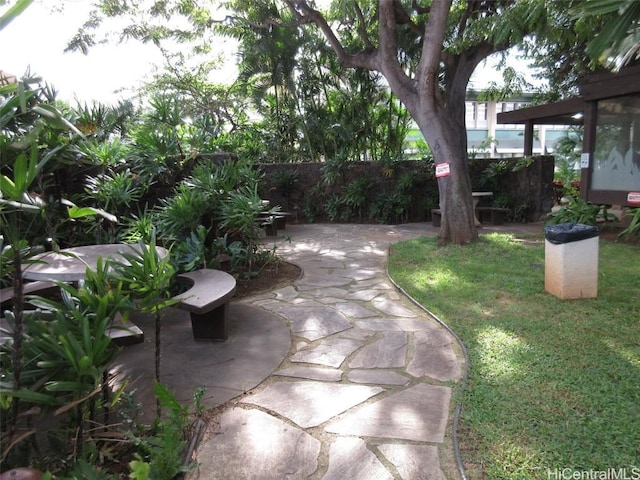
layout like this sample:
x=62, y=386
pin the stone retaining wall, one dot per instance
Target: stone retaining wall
x=526, y=190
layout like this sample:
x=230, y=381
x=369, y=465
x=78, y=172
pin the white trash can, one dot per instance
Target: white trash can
x=571, y=260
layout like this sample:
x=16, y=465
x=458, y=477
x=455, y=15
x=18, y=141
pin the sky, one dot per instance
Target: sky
x=36, y=41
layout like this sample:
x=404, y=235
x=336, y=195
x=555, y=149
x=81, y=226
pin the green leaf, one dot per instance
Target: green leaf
x=68, y=386
x=53, y=115
x=14, y=11
x=79, y=212
x=8, y=188
x=31, y=396
x=20, y=175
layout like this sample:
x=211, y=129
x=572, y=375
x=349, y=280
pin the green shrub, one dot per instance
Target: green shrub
x=579, y=210
x=633, y=229
x=390, y=207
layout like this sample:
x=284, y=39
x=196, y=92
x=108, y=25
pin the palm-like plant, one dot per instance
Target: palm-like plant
x=16, y=9
x=618, y=42
x=28, y=123
x=148, y=276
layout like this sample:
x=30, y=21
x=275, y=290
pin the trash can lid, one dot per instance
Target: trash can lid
x=569, y=232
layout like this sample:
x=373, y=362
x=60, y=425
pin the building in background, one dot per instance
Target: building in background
x=608, y=108
x=486, y=138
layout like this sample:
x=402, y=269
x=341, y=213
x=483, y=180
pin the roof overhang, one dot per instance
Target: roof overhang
x=564, y=112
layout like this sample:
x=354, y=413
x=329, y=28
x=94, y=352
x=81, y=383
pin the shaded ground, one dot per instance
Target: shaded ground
x=283, y=274
x=271, y=277
x=611, y=234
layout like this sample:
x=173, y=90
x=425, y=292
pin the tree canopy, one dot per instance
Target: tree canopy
x=425, y=52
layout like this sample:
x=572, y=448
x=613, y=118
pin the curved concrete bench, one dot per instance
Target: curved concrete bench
x=30, y=288
x=121, y=332
x=207, y=301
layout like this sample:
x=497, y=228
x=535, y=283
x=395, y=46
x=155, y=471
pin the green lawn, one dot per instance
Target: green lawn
x=553, y=384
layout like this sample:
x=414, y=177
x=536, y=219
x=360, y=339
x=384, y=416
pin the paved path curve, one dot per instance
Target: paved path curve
x=366, y=391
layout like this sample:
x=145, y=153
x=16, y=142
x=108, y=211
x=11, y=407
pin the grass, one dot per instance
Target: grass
x=553, y=384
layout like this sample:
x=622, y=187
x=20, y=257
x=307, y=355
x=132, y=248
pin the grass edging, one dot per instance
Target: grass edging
x=465, y=377
x=552, y=385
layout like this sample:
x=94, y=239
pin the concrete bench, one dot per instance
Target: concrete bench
x=125, y=333
x=274, y=222
x=29, y=288
x=498, y=214
x=121, y=333
x=436, y=217
x=207, y=301
x=270, y=224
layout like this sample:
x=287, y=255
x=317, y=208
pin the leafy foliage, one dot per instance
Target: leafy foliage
x=633, y=229
x=164, y=451
x=579, y=210
x=616, y=44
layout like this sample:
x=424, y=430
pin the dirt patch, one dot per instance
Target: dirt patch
x=610, y=234
x=269, y=278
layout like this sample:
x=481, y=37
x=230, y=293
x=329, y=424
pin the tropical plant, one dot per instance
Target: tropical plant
x=164, y=452
x=490, y=177
x=633, y=229
x=356, y=195
x=334, y=207
x=578, y=210
x=239, y=218
x=284, y=180
x=313, y=204
x=29, y=122
x=74, y=349
x=192, y=253
x=67, y=353
x=182, y=213
x=390, y=207
x=148, y=275
x=616, y=44
x=138, y=227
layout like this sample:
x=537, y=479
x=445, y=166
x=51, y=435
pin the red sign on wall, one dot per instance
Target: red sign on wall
x=633, y=198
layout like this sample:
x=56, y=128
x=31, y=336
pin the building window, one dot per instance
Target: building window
x=616, y=163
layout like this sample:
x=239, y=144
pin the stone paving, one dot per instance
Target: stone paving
x=366, y=391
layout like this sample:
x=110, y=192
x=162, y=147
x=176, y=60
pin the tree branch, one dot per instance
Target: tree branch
x=387, y=59
x=429, y=65
x=403, y=18
x=362, y=28
x=305, y=14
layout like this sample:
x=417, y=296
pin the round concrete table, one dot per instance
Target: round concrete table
x=70, y=264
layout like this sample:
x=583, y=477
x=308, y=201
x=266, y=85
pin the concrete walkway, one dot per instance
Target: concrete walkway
x=336, y=377
x=366, y=390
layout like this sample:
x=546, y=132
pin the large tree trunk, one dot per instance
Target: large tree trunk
x=439, y=112
x=454, y=184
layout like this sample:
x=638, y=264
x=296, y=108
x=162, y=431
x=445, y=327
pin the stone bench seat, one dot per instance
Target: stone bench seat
x=207, y=301
x=121, y=333
x=498, y=215
x=43, y=288
x=274, y=222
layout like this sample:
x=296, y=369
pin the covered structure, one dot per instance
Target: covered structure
x=609, y=109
